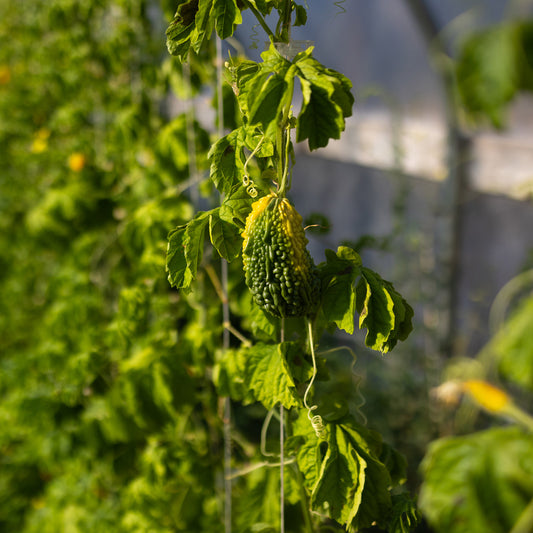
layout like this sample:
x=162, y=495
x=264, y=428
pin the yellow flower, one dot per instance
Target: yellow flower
x=487, y=396
x=5, y=75
x=40, y=141
x=76, y=161
x=38, y=146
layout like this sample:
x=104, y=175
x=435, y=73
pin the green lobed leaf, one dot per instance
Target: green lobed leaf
x=264, y=6
x=185, y=251
x=268, y=374
x=274, y=62
x=243, y=78
x=341, y=478
x=294, y=362
x=385, y=314
x=353, y=484
x=227, y=16
x=225, y=236
x=236, y=206
x=227, y=166
x=301, y=16
x=338, y=276
x=267, y=102
x=327, y=101
x=176, y=264
x=478, y=482
x=179, y=31
x=203, y=24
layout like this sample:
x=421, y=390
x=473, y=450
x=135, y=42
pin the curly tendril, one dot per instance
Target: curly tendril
x=316, y=420
x=339, y=5
x=247, y=182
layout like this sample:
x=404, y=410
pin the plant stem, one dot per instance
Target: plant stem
x=283, y=141
x=286, y=23
x=261, y=20
x=519, y=416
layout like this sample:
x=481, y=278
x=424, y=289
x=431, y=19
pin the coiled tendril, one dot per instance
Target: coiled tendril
x=316, y=420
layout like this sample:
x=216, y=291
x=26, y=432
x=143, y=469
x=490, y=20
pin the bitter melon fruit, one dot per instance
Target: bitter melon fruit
x=279, y=270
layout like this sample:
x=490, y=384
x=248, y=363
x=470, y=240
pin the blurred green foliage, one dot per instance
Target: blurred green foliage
x=494, y=65
x=99, y=422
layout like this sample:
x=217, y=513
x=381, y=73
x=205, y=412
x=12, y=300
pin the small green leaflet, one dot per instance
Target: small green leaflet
x=301, y=16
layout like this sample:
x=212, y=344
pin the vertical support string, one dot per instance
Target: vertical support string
x=281, y=450
x=225, y=316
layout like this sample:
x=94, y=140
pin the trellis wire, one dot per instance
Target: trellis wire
x=225, y=317
x=281, y=451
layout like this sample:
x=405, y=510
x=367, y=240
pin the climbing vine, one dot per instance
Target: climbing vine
x=336, y=467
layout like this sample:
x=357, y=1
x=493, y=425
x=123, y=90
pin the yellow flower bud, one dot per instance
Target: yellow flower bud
x=76, y=161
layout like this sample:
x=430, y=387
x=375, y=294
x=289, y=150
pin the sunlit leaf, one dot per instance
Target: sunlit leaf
x=268, y=375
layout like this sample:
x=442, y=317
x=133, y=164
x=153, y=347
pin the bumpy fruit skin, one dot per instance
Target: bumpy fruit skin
x=279, y=269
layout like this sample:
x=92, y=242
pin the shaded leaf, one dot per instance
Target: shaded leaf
x=227, y=166
x=267, y=102
x=179, y=31
x=185, y=250
x=479, y=482
x=338, y=276
x=327, y=101
x=385, y=314
x=225, y=236
x=227, y=16
x=236, y=206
